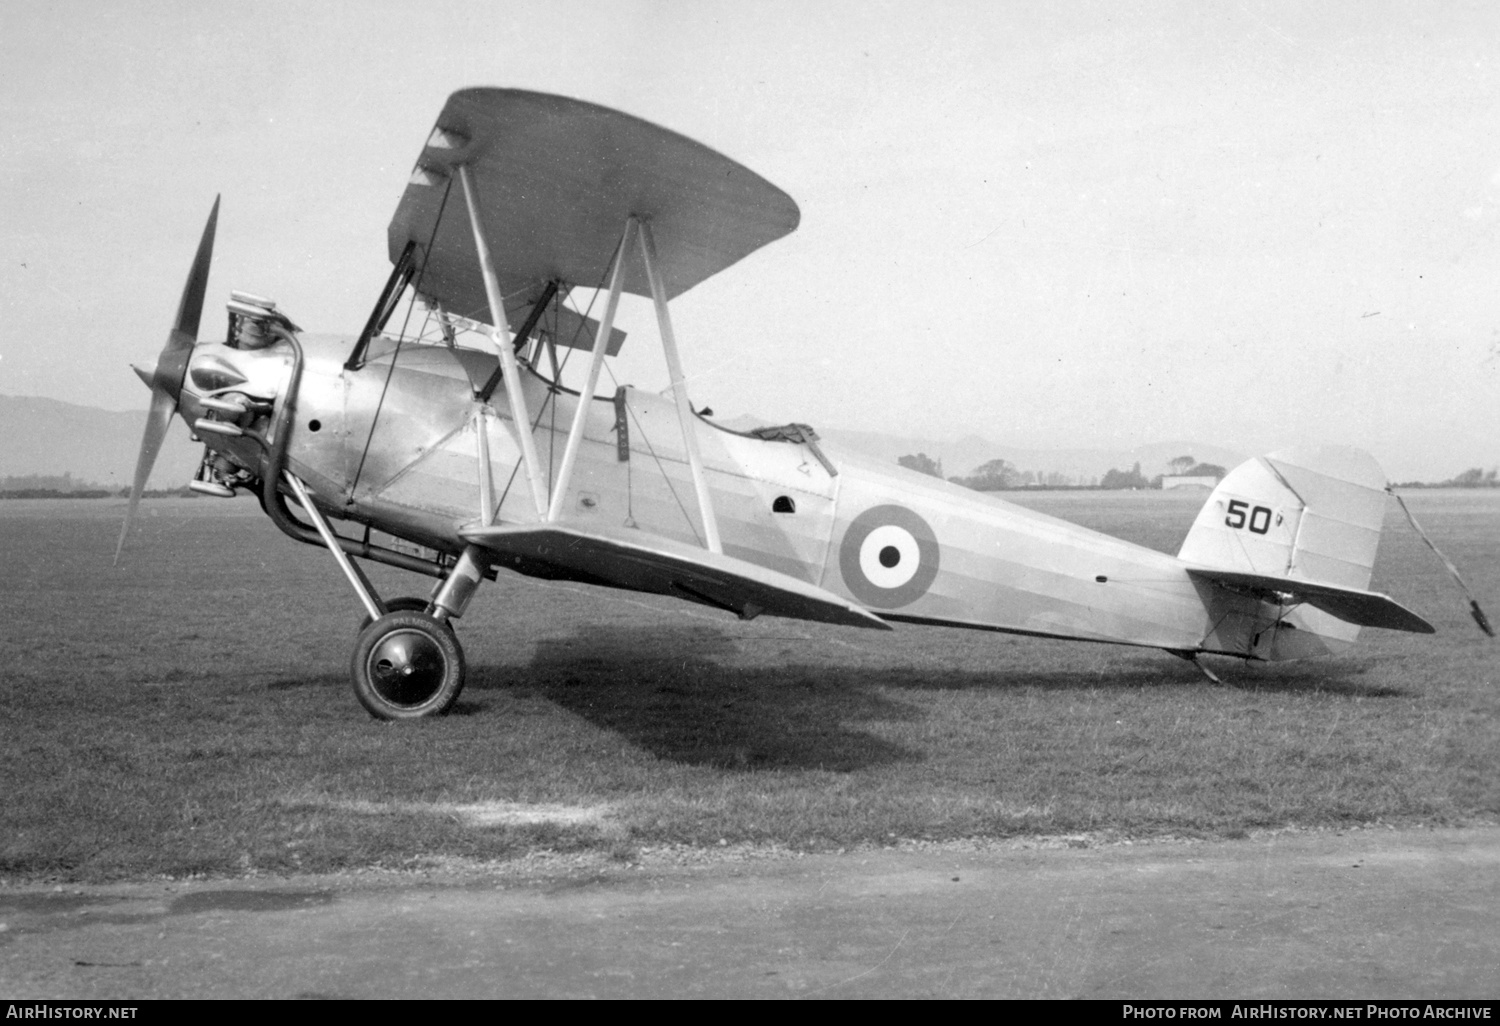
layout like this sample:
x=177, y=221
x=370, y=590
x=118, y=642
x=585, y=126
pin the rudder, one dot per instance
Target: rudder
x=1313, y=513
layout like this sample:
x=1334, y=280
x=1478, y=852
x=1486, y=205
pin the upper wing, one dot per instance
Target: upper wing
x=1366, y=608
x=645, y=562
x=556, y=179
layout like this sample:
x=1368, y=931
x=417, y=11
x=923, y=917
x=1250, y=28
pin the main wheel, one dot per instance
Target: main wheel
x=407, y=665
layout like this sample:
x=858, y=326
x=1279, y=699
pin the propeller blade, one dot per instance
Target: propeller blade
x=157, y=422
x=171, y=369
x=190, y=310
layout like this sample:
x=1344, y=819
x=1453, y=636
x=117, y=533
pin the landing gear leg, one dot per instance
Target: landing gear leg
x=407, y=662
x=453, y=595
x=356, y=577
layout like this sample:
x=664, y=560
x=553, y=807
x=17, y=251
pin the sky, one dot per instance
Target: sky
x=1051, y=224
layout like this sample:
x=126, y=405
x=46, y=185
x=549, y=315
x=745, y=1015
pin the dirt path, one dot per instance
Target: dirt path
x=1365, y=914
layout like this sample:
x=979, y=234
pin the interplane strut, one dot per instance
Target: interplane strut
x=679, y=388
x=500, y=336
x=596, y=363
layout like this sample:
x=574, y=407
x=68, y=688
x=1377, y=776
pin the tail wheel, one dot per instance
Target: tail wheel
x=407, y=665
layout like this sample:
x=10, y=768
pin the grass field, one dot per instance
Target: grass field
x=189, y=712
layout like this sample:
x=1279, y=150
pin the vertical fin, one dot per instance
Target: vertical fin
x=1313, y=513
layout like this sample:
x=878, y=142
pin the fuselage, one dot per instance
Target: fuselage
x=395, y=444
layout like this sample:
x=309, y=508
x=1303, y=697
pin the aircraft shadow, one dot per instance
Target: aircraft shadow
x=1162, y=671
x=340, y=682
x=1237, y=676
x=1337, y=677
x=689, y=695
x=684, y=694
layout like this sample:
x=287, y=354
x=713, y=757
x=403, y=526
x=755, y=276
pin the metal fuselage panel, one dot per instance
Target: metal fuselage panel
x=398, y=447
x=1005, y=567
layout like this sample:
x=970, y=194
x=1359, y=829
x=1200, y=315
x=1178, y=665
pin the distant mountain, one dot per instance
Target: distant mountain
x=961, y=457
x=45, y=436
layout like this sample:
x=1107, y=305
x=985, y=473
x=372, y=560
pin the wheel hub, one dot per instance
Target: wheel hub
x=407, y=667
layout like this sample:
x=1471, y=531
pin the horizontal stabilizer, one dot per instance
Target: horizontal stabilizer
x=635, y=560
x=1365, y=608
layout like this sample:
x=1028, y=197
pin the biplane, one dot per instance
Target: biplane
x=453, y=449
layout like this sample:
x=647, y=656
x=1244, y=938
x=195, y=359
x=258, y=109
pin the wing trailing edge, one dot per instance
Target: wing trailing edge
x=634, y=560
x=1365, y=608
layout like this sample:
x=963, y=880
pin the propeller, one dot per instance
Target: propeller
x=165, y=381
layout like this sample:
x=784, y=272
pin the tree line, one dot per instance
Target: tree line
x=66, y=486
x=1474, y=477
x=1001, y=475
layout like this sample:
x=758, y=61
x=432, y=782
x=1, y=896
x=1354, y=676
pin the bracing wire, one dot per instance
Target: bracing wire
x=385, y=387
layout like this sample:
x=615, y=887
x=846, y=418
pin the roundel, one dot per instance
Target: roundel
x=889, y=557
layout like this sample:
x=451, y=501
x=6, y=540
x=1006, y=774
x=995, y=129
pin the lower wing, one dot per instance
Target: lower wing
x=638, y=561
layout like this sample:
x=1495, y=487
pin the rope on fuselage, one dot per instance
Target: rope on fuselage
x=630, y=480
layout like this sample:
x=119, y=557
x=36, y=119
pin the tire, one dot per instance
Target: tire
x=407, y=665
x=397, y=605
